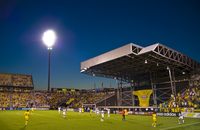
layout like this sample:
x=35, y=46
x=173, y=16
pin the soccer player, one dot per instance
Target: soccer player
x=123, y=115
x=181, y=119
x=97, y=111
x=80, y=110
x=102, y=115
x=154, y=117
x=64, y=112
x=108, y=110
x=32, y=109
x=90, y=111
x=59, y=108
x=26, y=117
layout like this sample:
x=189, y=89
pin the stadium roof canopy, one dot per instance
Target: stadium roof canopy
x=133, y=62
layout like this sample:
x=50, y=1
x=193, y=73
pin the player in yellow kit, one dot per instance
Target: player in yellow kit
x=26, y=117
x=154, y=117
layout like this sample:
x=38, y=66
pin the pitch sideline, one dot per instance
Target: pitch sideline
x=168, y=128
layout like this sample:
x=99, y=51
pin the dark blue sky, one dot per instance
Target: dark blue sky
x=86, y=29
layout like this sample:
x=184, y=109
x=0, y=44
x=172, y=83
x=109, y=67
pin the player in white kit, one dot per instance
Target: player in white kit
x=59, y=108
x=108, y=110
x=97, y=111
x=64, y=112
x=181, y=118
x=102, y=115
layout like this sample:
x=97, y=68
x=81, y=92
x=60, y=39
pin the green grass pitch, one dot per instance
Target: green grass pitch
x=51, y=120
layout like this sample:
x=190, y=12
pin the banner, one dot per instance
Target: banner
x=191, y=114
x=143, y=113
x=143, y=96
x=172, y=114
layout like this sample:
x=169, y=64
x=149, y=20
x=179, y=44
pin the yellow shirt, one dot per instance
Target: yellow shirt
x=26, y=114
x=154, y=116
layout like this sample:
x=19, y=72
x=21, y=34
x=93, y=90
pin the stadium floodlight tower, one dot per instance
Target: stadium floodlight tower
x=49, y=39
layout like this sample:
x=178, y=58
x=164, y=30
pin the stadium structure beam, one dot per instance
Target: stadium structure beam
x=171, y=81
x=153, y=89
x=176, y=56
x=133, y=97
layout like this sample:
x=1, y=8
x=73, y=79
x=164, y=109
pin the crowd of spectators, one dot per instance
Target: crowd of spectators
x=187, y=100
x=15, y=99
x=4, y=99
x=190, y=99
x=79, y=98
x=73, y=99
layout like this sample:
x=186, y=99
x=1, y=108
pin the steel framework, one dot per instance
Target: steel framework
x=161, y=68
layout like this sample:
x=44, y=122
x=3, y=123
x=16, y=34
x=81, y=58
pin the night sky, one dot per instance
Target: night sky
x=86, y=29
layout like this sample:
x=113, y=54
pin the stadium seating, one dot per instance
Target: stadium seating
x=184, y=101
x=45, y=99
x=190, y=98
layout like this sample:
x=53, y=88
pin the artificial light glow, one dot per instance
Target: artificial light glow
x=168, y=68
x=49, y=38
x=82, y=70
x=145, y=61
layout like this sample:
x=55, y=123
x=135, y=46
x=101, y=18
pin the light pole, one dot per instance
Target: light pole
x=49, y=39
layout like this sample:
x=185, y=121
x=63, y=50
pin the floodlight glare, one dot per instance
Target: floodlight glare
x=49, y=38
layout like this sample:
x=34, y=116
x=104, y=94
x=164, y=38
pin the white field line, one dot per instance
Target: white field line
x=168, y=128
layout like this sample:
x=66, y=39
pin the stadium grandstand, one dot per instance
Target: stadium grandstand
x=156, y=74
x=17, y=92
x=155, y=77
x=16, y=82
x=151, y=81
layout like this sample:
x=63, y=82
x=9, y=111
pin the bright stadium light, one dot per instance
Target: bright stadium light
x=168, y=68
x=83, y=70
x=49, y=38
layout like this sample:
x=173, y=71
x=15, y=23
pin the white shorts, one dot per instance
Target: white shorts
x=180, y=118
